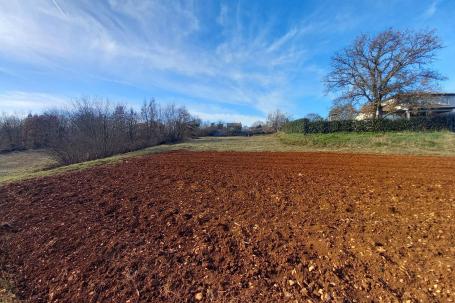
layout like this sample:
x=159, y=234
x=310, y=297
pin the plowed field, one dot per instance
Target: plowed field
x=235, y=227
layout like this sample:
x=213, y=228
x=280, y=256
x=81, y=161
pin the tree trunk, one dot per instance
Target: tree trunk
x=379, y=112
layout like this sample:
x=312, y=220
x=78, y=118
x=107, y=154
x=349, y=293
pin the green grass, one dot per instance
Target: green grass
x=30, y=164
x=416, y=143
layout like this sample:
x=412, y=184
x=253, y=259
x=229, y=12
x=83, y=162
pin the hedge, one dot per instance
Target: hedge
x=437, y=123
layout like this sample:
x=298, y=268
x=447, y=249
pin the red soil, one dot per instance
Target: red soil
x=235, y=227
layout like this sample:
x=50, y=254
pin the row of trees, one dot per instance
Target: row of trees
x=275, y=121
x=94, y=129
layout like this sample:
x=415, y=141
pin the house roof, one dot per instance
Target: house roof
x=443, y=94
x=430, y=94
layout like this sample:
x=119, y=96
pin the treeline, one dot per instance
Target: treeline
x=94, y=129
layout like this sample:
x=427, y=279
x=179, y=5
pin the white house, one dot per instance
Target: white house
x=415, y=106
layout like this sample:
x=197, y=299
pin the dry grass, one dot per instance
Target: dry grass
x=6, y=292
x=17, y=164
x=25, y=165
x=30, y=164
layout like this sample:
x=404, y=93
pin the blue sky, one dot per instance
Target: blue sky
x=223, y=60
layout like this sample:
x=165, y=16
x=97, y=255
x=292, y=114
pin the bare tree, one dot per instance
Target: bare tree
x=339, y=112
x=313, y=117
x=390, y=64
x=276, y=119
x=174, y=119
x=150, y=115
x=93, y=129
x=39, y=131
x=10, y=133
x=258, y=124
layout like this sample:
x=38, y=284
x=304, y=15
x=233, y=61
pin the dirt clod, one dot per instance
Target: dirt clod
x=198, y=296
x=7, y=227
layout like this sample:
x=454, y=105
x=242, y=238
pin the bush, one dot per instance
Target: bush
x=383, y=125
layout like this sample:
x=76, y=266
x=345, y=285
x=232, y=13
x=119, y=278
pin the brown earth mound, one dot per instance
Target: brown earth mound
x=235, y=227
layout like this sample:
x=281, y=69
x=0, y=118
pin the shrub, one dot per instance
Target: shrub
x=437, y=123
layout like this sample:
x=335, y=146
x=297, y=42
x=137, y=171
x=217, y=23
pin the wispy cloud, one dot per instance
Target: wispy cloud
x=432, y=9
x=228, y=117
x=23, y=103
x=243, y=53
x=59, y=8
x=153, y=42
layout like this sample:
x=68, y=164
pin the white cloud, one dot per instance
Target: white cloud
x=228, y=117
x=59, y=8
x=23, y=103
x=222, y=17
x=431, y=10
x=156, y=44
x=277, y=44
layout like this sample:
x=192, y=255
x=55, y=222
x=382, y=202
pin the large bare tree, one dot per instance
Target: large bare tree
x=276, y=119
x=340, y=112
x=377, y=68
